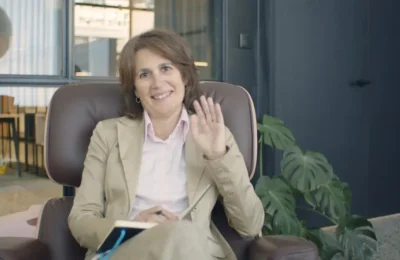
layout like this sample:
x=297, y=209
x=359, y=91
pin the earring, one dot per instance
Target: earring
x=137, y=100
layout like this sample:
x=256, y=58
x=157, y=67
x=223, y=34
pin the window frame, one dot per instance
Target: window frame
x=68, y=51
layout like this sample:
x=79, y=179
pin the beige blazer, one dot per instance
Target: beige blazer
x=110, y=178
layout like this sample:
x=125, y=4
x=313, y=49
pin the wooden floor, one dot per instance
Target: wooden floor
x=18, y=194
x=21, y=201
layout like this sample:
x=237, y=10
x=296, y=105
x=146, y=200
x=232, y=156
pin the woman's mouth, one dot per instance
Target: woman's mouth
x=161, y=96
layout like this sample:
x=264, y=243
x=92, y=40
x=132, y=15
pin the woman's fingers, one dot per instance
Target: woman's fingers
x=168, y=215
x=153, y=210
x=157, y=218
x=198, y=109
x=211, y=107
x=200, y=113
x=158, y=213
x=208, y=112
x=218, y=114
x=206, y=109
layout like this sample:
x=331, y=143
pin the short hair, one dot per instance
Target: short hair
x=169, y=45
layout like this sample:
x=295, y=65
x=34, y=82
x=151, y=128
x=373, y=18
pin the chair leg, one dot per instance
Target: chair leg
x=42, y=153
x=9, y=142
x=2, y=142
x=36, y=158
x=42, y=157
x=16, y=147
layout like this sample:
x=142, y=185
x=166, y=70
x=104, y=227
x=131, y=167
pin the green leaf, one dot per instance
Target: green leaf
x=267, y=229
x=279, y=205
x=313, y=236
x=332, y=198
x=260, y=127
x=328, y=246
x=305, y=172
x=357, y=238
x=275, y=133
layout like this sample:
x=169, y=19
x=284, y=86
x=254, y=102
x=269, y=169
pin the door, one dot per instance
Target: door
x=318, y=81
x=384, y=108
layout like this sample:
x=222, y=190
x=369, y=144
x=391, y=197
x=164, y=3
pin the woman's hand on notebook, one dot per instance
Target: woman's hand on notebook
x=155, y=214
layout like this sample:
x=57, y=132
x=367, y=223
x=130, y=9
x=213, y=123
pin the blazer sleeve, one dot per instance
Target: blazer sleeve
x=242, y=206
x=86, y=219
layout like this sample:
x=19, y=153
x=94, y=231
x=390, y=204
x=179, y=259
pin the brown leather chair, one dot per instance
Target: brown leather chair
x=73, y=113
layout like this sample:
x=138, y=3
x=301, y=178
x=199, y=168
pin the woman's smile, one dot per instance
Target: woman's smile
x=162, y=96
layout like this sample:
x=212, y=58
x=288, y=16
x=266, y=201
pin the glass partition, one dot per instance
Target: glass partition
x=103, y=27
x=31, y=37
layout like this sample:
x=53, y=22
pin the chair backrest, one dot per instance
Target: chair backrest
x=75, y=110
x=72, y=115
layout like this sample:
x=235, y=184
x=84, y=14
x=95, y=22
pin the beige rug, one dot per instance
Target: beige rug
x=18, y=194
x=20, y=224
x=21, y=201
x=387, y=230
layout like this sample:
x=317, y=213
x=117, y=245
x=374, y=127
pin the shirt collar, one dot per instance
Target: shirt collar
x=182, y=125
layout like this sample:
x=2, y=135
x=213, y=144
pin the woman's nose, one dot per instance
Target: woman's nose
x=157, y=80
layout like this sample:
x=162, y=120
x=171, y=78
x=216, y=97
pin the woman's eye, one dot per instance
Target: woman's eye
x=143, y=74
x=166, y=68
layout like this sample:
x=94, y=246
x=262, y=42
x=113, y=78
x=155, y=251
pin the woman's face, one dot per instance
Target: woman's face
x=159, y=84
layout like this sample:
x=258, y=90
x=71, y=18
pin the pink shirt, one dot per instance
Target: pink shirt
x=162, y=179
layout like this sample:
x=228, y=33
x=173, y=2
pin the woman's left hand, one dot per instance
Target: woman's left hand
x=208, y=128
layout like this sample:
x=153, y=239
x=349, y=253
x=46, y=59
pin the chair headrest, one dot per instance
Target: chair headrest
x=75, y=110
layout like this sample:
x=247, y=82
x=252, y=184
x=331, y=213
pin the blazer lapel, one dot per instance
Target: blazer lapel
x=195, y=167
x=130, y=140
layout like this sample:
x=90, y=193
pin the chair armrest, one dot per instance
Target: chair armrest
x=282, y=247
x=21, y=248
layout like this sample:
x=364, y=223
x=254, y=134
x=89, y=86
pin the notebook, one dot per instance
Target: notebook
x=132, y=228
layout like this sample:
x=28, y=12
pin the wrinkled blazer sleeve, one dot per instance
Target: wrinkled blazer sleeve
x=86, y=220
x=242, y=206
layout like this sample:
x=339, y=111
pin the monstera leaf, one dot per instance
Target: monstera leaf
x=279, y=205
x=357, y=238
x=305, y=172
x=328, y=246
x=275, y=133
x=309, y=175
x=268, y=229
x=332, y=198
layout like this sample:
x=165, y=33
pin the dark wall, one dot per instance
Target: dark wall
x=384, y=108
x=314, y=50
x=240, y=64
x=247, y=66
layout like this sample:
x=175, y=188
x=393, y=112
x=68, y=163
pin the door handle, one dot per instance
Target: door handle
x=360, y=83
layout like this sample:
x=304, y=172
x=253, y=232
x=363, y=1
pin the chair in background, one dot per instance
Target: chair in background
x=72, y=115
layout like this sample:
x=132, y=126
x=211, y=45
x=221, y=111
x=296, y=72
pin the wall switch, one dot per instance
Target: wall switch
x=244, y=41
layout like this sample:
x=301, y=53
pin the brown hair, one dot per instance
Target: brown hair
x=169, y=45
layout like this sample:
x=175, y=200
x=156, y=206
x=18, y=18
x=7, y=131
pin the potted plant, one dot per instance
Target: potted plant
x=309, y=176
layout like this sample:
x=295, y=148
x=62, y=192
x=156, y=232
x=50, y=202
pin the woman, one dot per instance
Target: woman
x=153, y=162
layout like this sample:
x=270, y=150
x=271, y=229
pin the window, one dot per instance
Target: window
x=103, y=27
x=35, y=38
x=30, y=37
